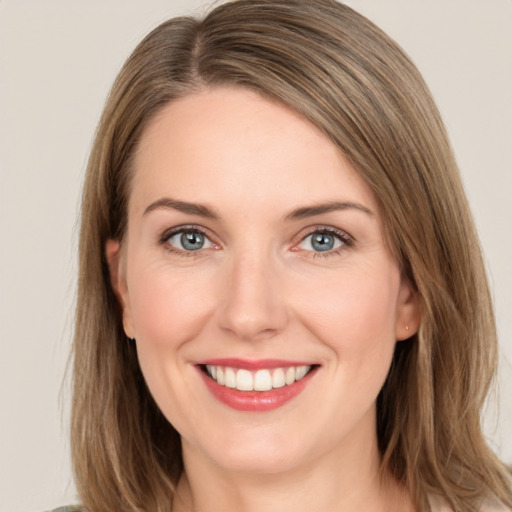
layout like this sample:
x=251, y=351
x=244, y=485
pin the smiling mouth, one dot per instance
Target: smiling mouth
x=261, y=380
x=255, y=386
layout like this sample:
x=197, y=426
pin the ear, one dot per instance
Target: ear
x=118, y=282
x=408, y=316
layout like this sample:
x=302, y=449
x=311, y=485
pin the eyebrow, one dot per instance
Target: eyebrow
x=181, y=206
x=332, y=206
x=297, y=214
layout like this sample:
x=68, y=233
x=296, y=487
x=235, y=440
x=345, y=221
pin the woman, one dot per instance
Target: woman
x=282, y=302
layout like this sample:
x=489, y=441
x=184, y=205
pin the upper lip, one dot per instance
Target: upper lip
x=250, y=364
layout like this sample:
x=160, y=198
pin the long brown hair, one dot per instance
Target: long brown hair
x=348, y=78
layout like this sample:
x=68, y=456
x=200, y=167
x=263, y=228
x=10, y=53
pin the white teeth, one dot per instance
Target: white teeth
x=261, y=380
x=212, y=370
x=230, y=378
x=244, y=380
x=289, y=376
x=278, y=378
x=301, y=372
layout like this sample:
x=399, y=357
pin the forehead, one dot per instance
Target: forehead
x=224, y=144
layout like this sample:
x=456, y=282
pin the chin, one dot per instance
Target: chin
x=272, y=461
x=262, y=453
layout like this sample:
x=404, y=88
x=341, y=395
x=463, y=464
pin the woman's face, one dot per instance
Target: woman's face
x=255, y=254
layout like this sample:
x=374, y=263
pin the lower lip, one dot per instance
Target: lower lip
x=255, y=401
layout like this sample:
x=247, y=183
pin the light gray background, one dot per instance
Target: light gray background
x=58, y=59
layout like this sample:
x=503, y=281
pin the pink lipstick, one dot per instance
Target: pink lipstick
x=256, y=386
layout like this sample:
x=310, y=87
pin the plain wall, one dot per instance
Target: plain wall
x=58, y=59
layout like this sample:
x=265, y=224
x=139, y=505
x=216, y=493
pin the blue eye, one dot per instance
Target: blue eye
x=322, y=241
x=189, y=240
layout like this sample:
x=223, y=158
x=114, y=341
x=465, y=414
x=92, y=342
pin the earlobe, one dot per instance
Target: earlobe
x=118, y=283
x=408, y=316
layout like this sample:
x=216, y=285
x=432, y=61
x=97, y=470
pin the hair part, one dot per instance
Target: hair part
x=338, y=70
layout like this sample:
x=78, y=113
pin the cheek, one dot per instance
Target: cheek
x=168, y=306
x=355, y=321
x=355, y=316
x=358, y=302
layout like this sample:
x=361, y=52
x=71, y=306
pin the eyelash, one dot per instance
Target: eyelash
x=346, y=240
x=164, y=239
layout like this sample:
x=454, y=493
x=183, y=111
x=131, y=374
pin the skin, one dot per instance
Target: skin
x=259, y=290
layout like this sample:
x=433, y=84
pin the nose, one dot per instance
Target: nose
x=253, y=304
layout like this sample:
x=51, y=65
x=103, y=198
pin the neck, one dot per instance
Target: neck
x=346, y=479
